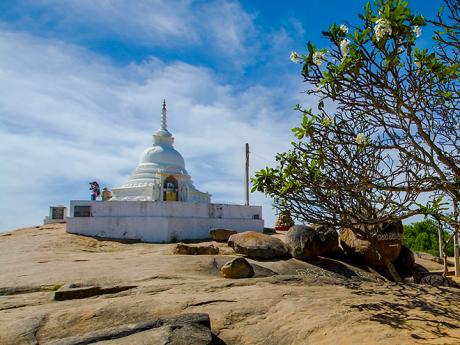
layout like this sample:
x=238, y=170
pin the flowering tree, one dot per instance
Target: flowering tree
x=394, y=134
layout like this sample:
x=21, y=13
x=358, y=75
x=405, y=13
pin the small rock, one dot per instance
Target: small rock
x=438, y=280
x=221, y=235
x=189, y=249
x=237, y=268
x=257, y=245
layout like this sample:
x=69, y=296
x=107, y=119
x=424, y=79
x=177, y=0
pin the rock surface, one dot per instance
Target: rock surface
x=322, y=301
x=76, y=291
x=194, y=249
x=186, y=329
x=388, y=242
x=221, y=235
x=306, y=242
x=237, y=268
x=405, y=261
x=438, y=260
x=257, y=245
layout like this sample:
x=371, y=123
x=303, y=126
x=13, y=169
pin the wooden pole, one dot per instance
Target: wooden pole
x=246, y=177
x=456, y=257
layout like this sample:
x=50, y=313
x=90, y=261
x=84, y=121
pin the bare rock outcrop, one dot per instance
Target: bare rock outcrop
x=257, y=245
x=185, y=329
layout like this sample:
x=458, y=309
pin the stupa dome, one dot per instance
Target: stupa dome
x=163, y=156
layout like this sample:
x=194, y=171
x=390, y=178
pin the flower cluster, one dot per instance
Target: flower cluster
x=360, y=139
x=344, y=48
x=295, y=57
x=318, y=58
x=326, y=122
x=382, y=28
x=344, y=28
x=417, y=30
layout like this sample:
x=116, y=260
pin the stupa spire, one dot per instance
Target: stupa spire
x=164, y=119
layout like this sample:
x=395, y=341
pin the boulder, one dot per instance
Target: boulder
x=329, y=239
x=405, y=261
x=388, y=242
x=221, y=235
x=306, y=242
x=438, y=280
x=257, y=245
x=237, y=268
x=190, y=249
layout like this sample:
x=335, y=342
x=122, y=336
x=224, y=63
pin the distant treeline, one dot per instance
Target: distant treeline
x=423, y=237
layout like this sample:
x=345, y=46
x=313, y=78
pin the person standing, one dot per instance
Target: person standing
x=95, y=190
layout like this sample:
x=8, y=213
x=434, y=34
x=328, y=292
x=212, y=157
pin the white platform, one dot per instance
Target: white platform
x=159, y=221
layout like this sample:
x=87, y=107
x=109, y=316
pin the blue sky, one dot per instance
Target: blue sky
x=81, y=86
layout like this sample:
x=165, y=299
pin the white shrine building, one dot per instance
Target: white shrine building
x=159, y=202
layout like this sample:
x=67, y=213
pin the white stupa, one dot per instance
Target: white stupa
x=159, y=203
x=161, y=173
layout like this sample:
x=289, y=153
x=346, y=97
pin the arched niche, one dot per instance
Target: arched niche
x=170, y=189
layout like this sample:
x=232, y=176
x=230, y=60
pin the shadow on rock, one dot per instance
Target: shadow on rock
x=438, y=307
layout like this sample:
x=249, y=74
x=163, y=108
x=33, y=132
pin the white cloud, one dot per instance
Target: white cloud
x=69, y=116
x=219, y=26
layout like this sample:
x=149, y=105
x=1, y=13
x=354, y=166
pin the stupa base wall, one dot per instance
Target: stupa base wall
x=157, y=221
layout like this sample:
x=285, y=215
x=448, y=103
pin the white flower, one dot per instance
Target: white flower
x=417, y=30
x=400, y=50
x=360, y=139
x=382, y=28
x=295, y=57
x=318, y=58
x=344, y=48
x=344, y=28
x=418, y=63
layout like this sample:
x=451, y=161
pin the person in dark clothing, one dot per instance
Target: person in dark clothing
x=95, y=190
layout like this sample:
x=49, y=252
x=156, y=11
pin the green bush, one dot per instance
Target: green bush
x=423, y=237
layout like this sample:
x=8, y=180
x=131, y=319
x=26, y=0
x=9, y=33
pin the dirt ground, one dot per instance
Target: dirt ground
x=322, y=301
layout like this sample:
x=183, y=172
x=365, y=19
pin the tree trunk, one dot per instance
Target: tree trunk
x=440, y=239
x=457, y=261
x=446, y=270
x=456, y=229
